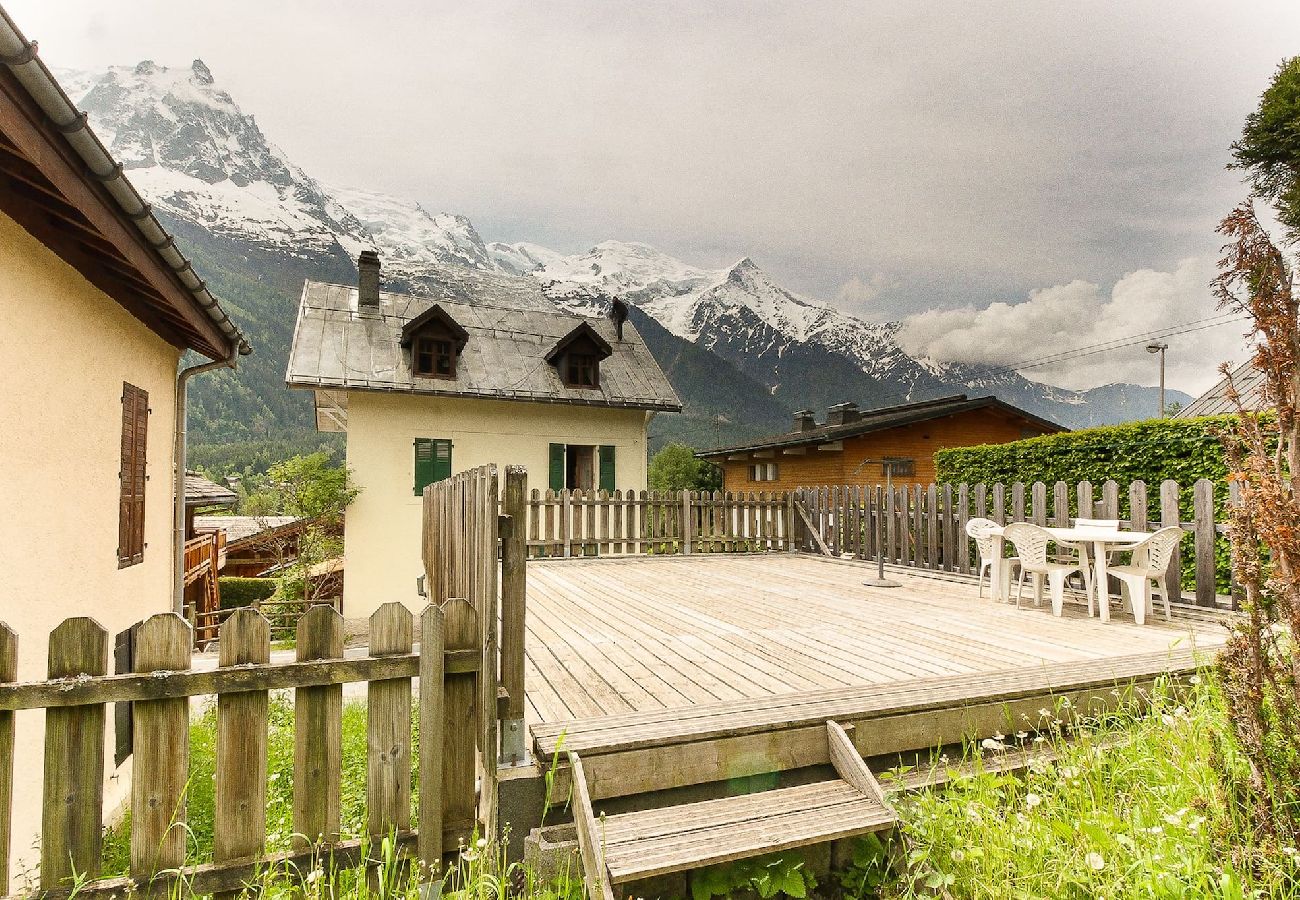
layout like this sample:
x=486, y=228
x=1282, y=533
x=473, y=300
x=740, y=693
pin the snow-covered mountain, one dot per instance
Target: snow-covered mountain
x=214, y=175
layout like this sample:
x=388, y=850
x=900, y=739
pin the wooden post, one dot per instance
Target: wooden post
x=999, y=504
x=960, y=540
x=388, y=728
x=1038, y=498
x=1203, y=519
x=8, y=672
x=1137, y=505
x=162, y=753
x=432, y=720
x=949, y=527
x=932, y=554
x=1110, y=499
x=318, y=734
x=514, y=589
x=686, y=523
x=1018, y=502
x=565, y=500
x=74, y=761
x=239, y=819
x=1083, y=499
x=460, y=718
x=1171, y=515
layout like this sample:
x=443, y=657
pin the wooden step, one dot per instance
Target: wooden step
x=631, y=846
x=680, y=838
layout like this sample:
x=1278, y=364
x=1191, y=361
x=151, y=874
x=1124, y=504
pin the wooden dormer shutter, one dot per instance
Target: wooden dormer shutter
x=132, y=475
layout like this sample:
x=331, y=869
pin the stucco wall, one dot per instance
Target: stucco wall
x=382, y=538
x=67, y=348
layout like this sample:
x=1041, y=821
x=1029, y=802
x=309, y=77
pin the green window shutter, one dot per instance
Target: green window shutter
x=606, y=467
x=441, y=460
x=557, y=467
x=432, y=462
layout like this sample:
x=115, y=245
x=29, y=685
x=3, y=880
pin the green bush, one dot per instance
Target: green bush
x=237, y=592
x=1182, y=450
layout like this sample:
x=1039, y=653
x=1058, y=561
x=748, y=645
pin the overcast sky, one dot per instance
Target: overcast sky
x=892, y=158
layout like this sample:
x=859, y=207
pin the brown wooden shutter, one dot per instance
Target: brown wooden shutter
x=130, y=514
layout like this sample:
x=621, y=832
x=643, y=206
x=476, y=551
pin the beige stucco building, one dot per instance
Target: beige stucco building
x=94, y=317
x=490, y=373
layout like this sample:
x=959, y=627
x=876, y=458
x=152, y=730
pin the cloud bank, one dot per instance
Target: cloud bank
x=1080, y=313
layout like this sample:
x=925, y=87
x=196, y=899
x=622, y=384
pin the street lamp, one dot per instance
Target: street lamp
x=880, y=580
x=1160, y=347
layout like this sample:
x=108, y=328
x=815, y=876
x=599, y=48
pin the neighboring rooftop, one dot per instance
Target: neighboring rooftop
x=1249, y=384
x=201, y=492
x=239, y=528
x=846, y=420
x=510, y=330
x=62, y=186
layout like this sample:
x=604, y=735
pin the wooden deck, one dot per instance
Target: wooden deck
x=616, y=636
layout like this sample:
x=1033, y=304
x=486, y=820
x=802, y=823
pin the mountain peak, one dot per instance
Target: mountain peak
x=202, y=74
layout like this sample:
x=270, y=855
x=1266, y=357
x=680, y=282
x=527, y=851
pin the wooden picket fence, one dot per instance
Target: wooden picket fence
x=924, y=526
x=456, y=663
x=622, y=523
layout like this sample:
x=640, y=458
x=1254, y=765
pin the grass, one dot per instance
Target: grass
x=1135, y=806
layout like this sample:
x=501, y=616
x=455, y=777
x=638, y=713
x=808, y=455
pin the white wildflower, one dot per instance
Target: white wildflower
x=1096, y=861
x=1032, y=800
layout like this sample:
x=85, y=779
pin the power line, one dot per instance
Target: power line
x=1112, y=344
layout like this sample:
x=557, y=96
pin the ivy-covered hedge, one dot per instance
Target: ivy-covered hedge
x=237, y=592
x=1183, y=450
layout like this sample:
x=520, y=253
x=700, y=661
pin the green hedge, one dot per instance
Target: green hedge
x=236, y=592
x=1183, y=450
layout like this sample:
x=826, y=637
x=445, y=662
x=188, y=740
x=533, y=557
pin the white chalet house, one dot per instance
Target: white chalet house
x=488, y=373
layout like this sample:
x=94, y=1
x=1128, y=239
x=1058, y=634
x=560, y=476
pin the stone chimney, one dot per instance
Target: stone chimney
x=618, y=315
x=804, y=421
x=368, y=283
x=843, y=414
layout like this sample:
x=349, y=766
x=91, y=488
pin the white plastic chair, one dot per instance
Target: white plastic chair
x=1150, y=563
x=981, y=530
x=1031, y=543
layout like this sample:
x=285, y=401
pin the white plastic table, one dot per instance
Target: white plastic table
x=1102, y=540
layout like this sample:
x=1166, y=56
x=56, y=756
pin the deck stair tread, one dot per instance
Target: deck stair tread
x=631, y=846
x=644, y=844
x=606, y=734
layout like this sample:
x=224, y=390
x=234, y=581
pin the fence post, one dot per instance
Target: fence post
x=74, y=760
x=1137, y=506
x=1110, y=499
x=8, y=672
x=162, y=753
x=686, y=523
x=564, y=522
x=1018, y=501
x=432, y=716
x=1038, y=498
x=1203, y=519
x=514, y=589
x=318, y=734
x=960, y=540
x=239, y=816
x=1171, y=515
x=460, y=717
x=388, y=727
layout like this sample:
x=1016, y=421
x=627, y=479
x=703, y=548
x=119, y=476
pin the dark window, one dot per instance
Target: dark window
x=898, y=467
x=435, y=358
x=432, y=462
x=582, y=370
x=763, y=472
x=132, y=476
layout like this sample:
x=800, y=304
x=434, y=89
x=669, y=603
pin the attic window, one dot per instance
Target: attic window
x=577, y=357
x=435, y=340
x=582, y=370
x=434, y=357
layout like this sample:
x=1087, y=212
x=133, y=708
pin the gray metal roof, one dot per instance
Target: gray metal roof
x=511, y=328
x=1249, y=383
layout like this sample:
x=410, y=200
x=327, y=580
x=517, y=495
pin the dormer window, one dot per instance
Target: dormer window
x=577, y=357
x=434, y=357
x=435, y=340
x=582, y=370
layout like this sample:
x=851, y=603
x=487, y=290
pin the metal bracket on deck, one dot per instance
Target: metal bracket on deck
x=514, y=749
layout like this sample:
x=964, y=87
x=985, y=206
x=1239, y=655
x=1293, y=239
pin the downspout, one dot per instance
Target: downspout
x=178, y=486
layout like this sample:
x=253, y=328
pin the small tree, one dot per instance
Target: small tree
x=313, y=490
x=676, y=468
